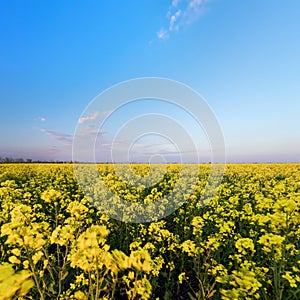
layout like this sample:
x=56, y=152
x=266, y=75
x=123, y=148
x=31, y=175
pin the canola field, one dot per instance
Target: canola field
x=243, y=244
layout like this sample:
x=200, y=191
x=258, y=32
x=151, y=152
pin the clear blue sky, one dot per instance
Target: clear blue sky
x=243, y=57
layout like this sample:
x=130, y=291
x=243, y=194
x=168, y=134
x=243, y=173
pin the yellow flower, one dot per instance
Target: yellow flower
x=16, y=252
x=14, y=285
x=37, y=256
x=292, y=281
x=14, y=260
x=189, y=247
x=244, y=244
x=51, y=195
x=79, y=295
x=131, y=275
x=181, y=277
x=272, y=242
x=141, y=260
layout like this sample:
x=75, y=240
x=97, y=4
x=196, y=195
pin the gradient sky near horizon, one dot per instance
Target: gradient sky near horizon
x=243, y=57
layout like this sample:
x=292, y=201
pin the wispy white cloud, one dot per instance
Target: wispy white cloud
x=40, y=119
x=195, y=4
x=175, y=3
x=162, y=34
x=88, y=118
x=181, y=13
x=173, y=19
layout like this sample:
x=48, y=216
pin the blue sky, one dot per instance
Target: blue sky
x=243, y=57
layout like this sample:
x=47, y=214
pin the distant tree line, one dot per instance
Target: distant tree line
x=4, y=160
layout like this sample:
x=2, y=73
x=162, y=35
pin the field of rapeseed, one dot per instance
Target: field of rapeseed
x=244, y=244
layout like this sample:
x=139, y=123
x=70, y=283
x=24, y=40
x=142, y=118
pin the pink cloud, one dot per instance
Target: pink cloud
x=59, y=136
x=89, y=118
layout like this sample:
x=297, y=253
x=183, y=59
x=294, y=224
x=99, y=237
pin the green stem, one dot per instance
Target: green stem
x=35, y=277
